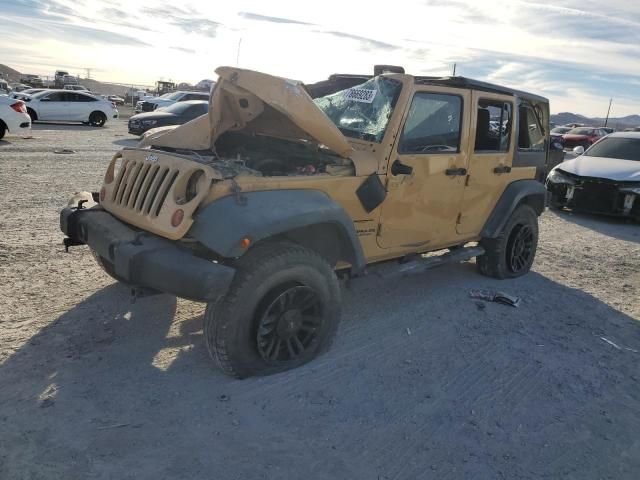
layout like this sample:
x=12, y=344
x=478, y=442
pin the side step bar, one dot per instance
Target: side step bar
x=418, y=264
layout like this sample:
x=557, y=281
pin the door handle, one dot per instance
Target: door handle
x=502, y=169
x=452, y=172
x=399, y=168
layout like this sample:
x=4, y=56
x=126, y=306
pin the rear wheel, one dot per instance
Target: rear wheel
x=3, y=129
x=97, y=119
x=32, y=113
x=281, y=311
x=511, y=254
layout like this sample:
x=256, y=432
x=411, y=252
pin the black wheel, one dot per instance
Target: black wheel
x=281, y=311
x=3, y=130
x=97, y=119
x=511, y=254
x=32, y=113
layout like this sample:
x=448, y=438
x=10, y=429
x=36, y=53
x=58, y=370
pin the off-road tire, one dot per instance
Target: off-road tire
x=97, y=119
x=496, y=261
x=231, y=323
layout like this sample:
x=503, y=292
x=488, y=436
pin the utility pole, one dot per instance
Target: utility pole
x=238, y=51
x=454, y=70
x=608, y=111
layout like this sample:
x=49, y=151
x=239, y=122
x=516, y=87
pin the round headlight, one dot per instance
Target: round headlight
x=192, y=185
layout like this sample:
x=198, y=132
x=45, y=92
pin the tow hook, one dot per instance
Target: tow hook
x=70, y=242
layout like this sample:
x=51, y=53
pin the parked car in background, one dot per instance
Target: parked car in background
x=69, y=80
x=169, y=99
x=608, y=130
x=582, y=137
x=26, y=93
x=5, y=89
x=605, y=179
x=176, y=114
x=632, y=129
x=32, y=80
x=13, y=116
x=79, y=88
x=116, y=99
x=67, y=106
x=18, y=87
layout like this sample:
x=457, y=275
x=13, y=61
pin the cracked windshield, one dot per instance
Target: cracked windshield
x=362, y=111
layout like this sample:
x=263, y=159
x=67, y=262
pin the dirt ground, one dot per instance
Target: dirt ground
x=422, y=382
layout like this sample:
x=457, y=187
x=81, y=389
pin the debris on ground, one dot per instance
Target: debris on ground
x=65, y=151
x=498, y=297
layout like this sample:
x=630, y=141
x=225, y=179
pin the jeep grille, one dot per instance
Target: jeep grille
x=149, y=186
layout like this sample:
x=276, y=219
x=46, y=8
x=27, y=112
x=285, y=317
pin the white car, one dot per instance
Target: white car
x=68, y=106
x=25, y=93
x=605, y=179
x=149, y=105
x=13, y=116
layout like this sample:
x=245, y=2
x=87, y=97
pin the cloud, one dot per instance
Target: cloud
x=265, y=18
x=204, y=27
x=183, y=50
x=365, y=43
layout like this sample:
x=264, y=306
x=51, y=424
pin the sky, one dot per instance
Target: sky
x=577, y=53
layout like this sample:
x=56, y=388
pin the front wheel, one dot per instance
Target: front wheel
x=511, y=254
x=97, y=119
x=281, y=311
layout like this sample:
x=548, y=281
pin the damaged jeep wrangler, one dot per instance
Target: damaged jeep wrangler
x=258, y=206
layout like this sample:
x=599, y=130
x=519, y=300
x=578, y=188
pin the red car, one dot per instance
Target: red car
x=582, y=137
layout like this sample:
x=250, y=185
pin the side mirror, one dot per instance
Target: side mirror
x=579, y=150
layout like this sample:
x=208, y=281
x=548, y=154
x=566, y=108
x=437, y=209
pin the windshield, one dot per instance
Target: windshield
x=362, y=111
x=560, y=130
x=178, y=108
x=171, y=96
x=616, y=147
x=581, y=131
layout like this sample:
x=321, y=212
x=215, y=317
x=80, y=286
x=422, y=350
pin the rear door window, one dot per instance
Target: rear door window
x=493, y=126
x=530, y=133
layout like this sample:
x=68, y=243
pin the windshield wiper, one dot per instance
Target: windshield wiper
x=357, y=134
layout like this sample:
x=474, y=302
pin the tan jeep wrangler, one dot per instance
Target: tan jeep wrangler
x=256, y=207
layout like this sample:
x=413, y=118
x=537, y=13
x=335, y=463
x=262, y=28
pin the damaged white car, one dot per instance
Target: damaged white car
x=605, y=179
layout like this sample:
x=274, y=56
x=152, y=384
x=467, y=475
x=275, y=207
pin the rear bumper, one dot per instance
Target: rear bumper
x=142, y=259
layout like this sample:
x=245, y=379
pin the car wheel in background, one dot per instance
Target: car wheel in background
x=32, y=113
x=3, y=130
x=97, y=119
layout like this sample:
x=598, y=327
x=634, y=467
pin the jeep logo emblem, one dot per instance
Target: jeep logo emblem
x=151, y=158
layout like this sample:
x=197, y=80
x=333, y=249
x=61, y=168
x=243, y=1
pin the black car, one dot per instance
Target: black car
x=176, y=114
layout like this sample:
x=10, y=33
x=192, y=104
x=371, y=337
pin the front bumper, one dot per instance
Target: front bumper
x=142, y=259
x=599, y=197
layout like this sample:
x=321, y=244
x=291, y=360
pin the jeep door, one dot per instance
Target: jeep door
x=427, y=170
x=490, y=155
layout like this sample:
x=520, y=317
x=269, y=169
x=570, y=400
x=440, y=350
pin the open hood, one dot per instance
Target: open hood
x=255, y=103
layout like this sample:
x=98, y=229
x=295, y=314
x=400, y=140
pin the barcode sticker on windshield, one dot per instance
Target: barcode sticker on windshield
x=360, y=95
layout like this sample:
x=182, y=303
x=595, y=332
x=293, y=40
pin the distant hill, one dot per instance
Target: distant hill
x=9, y=74
x=619, y=123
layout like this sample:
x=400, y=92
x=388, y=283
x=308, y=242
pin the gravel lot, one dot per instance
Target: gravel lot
x=422, y=382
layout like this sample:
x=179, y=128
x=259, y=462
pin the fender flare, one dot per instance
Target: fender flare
x=530, y=192
x=307, y=215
